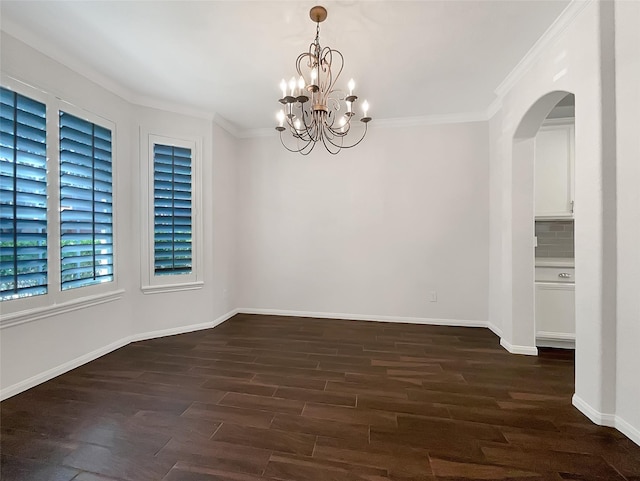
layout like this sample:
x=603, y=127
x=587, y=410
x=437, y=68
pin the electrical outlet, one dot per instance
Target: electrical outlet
x=434, y=296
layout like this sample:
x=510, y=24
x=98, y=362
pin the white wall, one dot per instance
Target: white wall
x=31, y=349
x=570, y=63
x=372, y=231
x=34, y=351
x=580, y=59
x=627, y=19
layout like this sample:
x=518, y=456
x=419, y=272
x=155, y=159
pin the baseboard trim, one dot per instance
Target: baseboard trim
x=514, y=349
x=495, y=329
x=628, y=430
x=556, y=340
x=90, y=356
x=526, y=350
x=183, y=329
x=61, y=369
x=361, y=317
x=603, y=419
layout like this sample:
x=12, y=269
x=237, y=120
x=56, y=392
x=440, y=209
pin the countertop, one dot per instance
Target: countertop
x=555, y=262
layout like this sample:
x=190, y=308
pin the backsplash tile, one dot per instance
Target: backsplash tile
x=555, y=238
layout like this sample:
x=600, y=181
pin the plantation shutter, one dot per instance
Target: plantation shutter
x=23, y=192
x=172, y=210
x=86, y=203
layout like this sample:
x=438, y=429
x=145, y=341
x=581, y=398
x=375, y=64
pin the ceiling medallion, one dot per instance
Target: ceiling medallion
x=313, y=109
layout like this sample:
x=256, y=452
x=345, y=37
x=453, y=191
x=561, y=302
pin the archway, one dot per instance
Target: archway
x=522, y=227
x=595, y=260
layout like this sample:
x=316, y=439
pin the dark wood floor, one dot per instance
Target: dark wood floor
x=277, y=398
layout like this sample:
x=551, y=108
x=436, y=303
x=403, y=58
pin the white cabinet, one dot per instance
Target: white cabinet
x=554, y=169
x=555, y=307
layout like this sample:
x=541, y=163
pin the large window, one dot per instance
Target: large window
x=56, y=206
x=23, y=192
x=172, y=233
x=86, y=208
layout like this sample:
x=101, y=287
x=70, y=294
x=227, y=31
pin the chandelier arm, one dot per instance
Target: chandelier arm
x=361, y=138
x=341, y=131
x=335, y=80
x=342, y=146
x=312, y=144
x=307, y=126
x=301, y=58
x=297, y=151
x=339, y=147
x=307, y=148
x=301, y=134
x=325, y=63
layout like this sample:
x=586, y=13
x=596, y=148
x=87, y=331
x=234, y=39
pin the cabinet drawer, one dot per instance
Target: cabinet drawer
x=555, y=274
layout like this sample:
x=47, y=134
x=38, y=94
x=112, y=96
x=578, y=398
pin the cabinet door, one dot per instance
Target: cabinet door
x=554, y=171
x=555, y=310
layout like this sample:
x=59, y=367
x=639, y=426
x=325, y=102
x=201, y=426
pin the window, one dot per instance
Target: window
x=57, y=249
x=172, y=231
x=172, y=243
x=86, y=210
x=23, y=192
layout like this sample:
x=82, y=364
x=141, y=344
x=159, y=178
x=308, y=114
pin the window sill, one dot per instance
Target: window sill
x=28, y=315
x=187, y=286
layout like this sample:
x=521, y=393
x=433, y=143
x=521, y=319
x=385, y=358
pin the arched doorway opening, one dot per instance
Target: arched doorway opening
x=523, y=331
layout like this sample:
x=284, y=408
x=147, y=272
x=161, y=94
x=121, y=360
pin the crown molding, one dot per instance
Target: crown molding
x=173, y=107
x=568, y=15
x=229, y=127
x=494, y=108
x=460, y=118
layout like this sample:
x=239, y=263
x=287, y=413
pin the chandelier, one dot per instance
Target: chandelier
x=313, y=109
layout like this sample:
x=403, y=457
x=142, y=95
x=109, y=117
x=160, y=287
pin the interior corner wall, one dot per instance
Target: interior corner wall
x=627, y=19
x=167, y=311
x=372, y=232
x=572, y=62
x=36, y=350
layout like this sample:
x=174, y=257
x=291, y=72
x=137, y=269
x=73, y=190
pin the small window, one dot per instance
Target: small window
x=23, y=192
x=171, y=246
x=172, y=232
x=86, y=203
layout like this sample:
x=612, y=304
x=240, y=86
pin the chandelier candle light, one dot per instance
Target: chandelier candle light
x=313, y=109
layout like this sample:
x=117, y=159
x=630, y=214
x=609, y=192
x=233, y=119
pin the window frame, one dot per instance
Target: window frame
x=56, y=301
x=150, y=282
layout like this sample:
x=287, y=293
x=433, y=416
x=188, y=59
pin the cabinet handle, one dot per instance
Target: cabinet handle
x=572, y=202
x=564, y=275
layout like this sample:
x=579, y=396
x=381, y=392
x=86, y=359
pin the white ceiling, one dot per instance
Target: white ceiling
x=409, y=58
